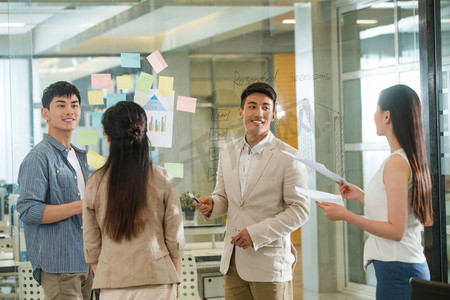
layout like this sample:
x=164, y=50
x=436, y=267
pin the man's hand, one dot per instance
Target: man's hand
x=207, y=206
x=242, y=239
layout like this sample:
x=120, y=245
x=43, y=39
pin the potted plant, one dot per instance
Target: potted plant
x=189, y=210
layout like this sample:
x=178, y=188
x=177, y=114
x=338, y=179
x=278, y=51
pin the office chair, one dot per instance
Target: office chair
x=424, y=289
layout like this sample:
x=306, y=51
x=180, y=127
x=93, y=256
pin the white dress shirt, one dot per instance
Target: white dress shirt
x=248, y=160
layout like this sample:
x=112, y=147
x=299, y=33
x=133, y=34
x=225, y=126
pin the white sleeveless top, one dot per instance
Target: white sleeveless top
x=409, y=249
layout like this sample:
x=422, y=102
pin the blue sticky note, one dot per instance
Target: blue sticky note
x=112, y=99
x=97, y=119
x=130, y=60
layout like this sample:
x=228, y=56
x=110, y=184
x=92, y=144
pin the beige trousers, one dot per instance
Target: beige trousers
x=67, y=286
x=146, y=292
x=239, y=289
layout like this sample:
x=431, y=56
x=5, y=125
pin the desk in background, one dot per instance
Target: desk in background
x=201, y=278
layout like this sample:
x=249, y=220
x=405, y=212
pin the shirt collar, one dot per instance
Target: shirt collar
x=258, y=148
x=55, y=143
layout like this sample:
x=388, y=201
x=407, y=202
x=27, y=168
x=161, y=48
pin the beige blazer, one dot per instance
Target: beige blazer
x=146, y=259
x=270, y=210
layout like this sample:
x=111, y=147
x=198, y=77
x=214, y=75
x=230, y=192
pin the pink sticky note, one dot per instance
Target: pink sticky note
x=101, y=81
x=186, y=104
x=157, y=61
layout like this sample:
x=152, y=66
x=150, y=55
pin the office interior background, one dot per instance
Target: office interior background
x=328, y=61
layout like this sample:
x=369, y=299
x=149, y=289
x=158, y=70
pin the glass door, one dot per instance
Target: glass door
x=378, y=48
x=444, y=111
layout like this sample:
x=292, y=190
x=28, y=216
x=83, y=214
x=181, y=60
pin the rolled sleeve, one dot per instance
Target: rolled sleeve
x=173, y=223
x=33, y=187
x=292, y=217
x=219, y=195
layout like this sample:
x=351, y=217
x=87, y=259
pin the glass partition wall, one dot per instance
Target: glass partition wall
x=328, y=60
x=379, y=46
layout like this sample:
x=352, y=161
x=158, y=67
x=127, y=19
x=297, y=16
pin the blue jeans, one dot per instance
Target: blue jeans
x=393, y=278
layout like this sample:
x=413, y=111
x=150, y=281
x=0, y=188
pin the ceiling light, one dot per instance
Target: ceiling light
x=366, y=22
x=445, y=20
x=12, y=24
x=288, y=21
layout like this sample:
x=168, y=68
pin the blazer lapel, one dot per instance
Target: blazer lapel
x=234, y=165
x=260, y=167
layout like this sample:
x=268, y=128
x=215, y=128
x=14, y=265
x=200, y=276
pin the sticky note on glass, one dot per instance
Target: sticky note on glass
x=96, y=119
x=130, y=60
x=176, y=169
x=95, y=160
x=95, y=97
x=157, y=61
x=101, y=81
x=86, y=137
x=144, y=83
x=186, y=104
x=141, y=98
x=113, y=99
x=124, y=82
x=165, y=86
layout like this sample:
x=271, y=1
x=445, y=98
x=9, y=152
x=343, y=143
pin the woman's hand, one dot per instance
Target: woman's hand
x=351, y=192
x=94, y=267
x=334, y=212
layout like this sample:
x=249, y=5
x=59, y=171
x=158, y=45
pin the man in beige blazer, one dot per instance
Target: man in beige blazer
x=255, y=188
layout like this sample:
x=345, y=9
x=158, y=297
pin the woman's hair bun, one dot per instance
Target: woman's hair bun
x=134, y=132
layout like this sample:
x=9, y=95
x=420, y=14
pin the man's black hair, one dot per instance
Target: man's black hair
x=259, y=87
x=58, y=89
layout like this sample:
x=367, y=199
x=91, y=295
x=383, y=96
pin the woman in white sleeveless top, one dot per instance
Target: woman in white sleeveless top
x=397, y=200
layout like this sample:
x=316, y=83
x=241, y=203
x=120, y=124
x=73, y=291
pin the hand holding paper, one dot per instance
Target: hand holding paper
x=351, y=191
x=321, y=196
x=318, y=167
x=333, y=211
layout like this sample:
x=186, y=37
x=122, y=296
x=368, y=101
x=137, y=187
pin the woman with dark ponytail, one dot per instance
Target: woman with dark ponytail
x=397, y=200
x=132, y=223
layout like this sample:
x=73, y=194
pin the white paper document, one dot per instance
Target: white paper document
x=321, y=196
x=318, y=167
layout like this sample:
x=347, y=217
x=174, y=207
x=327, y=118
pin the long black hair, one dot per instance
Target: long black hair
x=128, y=164
x=405, y=109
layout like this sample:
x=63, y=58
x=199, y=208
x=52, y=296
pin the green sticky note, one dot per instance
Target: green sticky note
x=86, y=137
x=144, y=83
x=176, y=169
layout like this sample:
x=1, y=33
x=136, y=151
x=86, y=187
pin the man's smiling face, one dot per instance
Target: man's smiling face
x=257, y=114
x=63, y=114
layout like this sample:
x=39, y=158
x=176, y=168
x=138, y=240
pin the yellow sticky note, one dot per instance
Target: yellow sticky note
x=176, y=169
x=124, y=82
x=95, y=98
x=86, y=137
x=165, y=86
x=95, y=160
